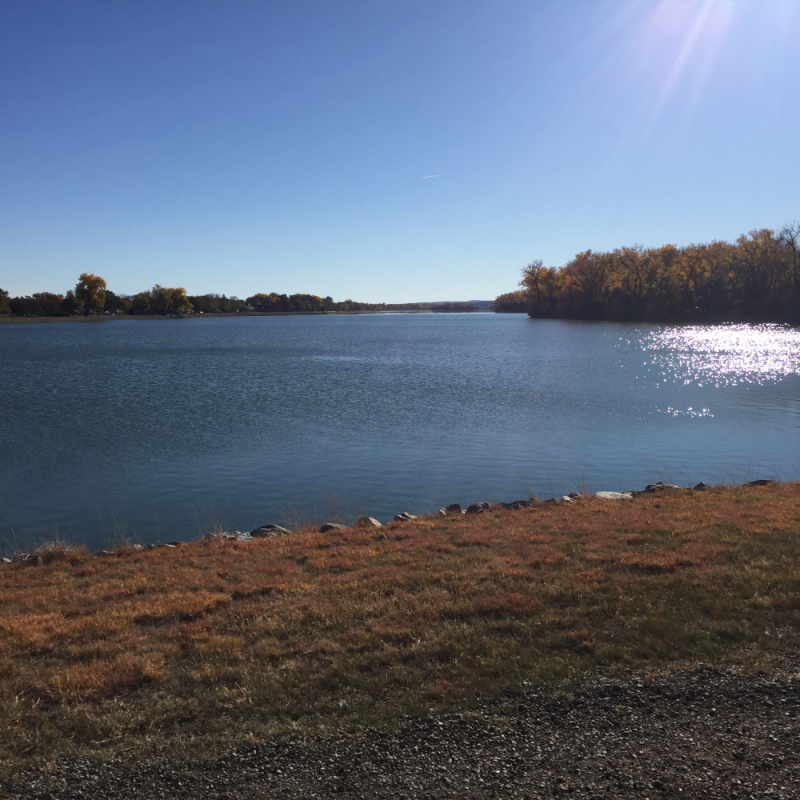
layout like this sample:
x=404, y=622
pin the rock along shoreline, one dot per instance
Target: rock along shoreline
x=271, y=530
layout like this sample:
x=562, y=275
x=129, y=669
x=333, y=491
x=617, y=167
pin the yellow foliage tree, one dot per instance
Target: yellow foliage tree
x=91, y=290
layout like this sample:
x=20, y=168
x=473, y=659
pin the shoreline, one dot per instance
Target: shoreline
x=272, y=529
x=189, y=657
x=110, y=317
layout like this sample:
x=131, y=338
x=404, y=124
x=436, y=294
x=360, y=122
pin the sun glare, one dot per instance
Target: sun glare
x=724, y=355
x=692, y=34
x=663, y=68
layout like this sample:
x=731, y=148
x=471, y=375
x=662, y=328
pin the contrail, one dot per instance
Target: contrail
x=425, y=177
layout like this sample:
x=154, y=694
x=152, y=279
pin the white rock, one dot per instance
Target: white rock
x=614, y=495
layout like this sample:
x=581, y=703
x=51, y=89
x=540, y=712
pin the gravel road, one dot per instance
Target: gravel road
x=692, y=734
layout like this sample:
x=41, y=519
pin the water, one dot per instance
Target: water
x=159, y=430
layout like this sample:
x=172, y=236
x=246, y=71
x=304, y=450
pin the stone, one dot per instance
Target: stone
x=269, y=530
x=565, y=498
x=701, y=487
x=103, y=553
x=332, y=526
x=516, y=505
x=652, y=488
x=137, y=547
x=453, y=508
x=478, y=508
x=404, y=516
x=234, y=536
x=7, y=561
x=367, y=522
x=761, y=482
x=574, y=495
x=614, y=495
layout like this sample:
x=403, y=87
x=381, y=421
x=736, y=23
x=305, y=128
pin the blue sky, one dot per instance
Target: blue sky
x=241, y=147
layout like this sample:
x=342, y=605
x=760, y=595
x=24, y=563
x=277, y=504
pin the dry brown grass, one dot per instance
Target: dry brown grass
x=216, y=643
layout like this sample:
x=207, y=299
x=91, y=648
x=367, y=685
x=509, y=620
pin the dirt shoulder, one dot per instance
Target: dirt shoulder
x=692, y=734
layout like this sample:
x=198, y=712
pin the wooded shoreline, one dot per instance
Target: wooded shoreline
x=129, y=317
x=91, y=297
x=754, y=280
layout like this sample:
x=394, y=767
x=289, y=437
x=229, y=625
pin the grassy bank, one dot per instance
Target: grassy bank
x=216, y=643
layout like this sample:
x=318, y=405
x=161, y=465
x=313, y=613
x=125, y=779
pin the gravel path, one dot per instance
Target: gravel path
x=703, y=734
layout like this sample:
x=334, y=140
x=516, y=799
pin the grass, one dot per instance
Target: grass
x=216, y=644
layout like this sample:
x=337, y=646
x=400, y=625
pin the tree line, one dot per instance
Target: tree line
x=306, y=303
x=91, y=296
x=310, y=302
x=756, y=279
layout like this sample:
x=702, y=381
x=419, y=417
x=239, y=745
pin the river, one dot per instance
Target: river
x=150, y=430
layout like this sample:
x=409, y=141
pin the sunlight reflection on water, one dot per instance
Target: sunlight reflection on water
x=689, y=412
x=724, y=355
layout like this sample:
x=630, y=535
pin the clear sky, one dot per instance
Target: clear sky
x=381, y=150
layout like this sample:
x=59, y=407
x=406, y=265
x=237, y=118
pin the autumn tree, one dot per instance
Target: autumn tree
x=161, y=300
x=789, y=238
x=635, y=262
x=511, y=303
x=91, y=290
x=756, y=253
x=141, y=303
x=542, y=287
x=179, y=302
x=755, y=279
x=586, y=275
x=714, y=273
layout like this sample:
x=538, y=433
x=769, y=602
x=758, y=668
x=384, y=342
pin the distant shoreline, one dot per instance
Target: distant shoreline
x=110, y=317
